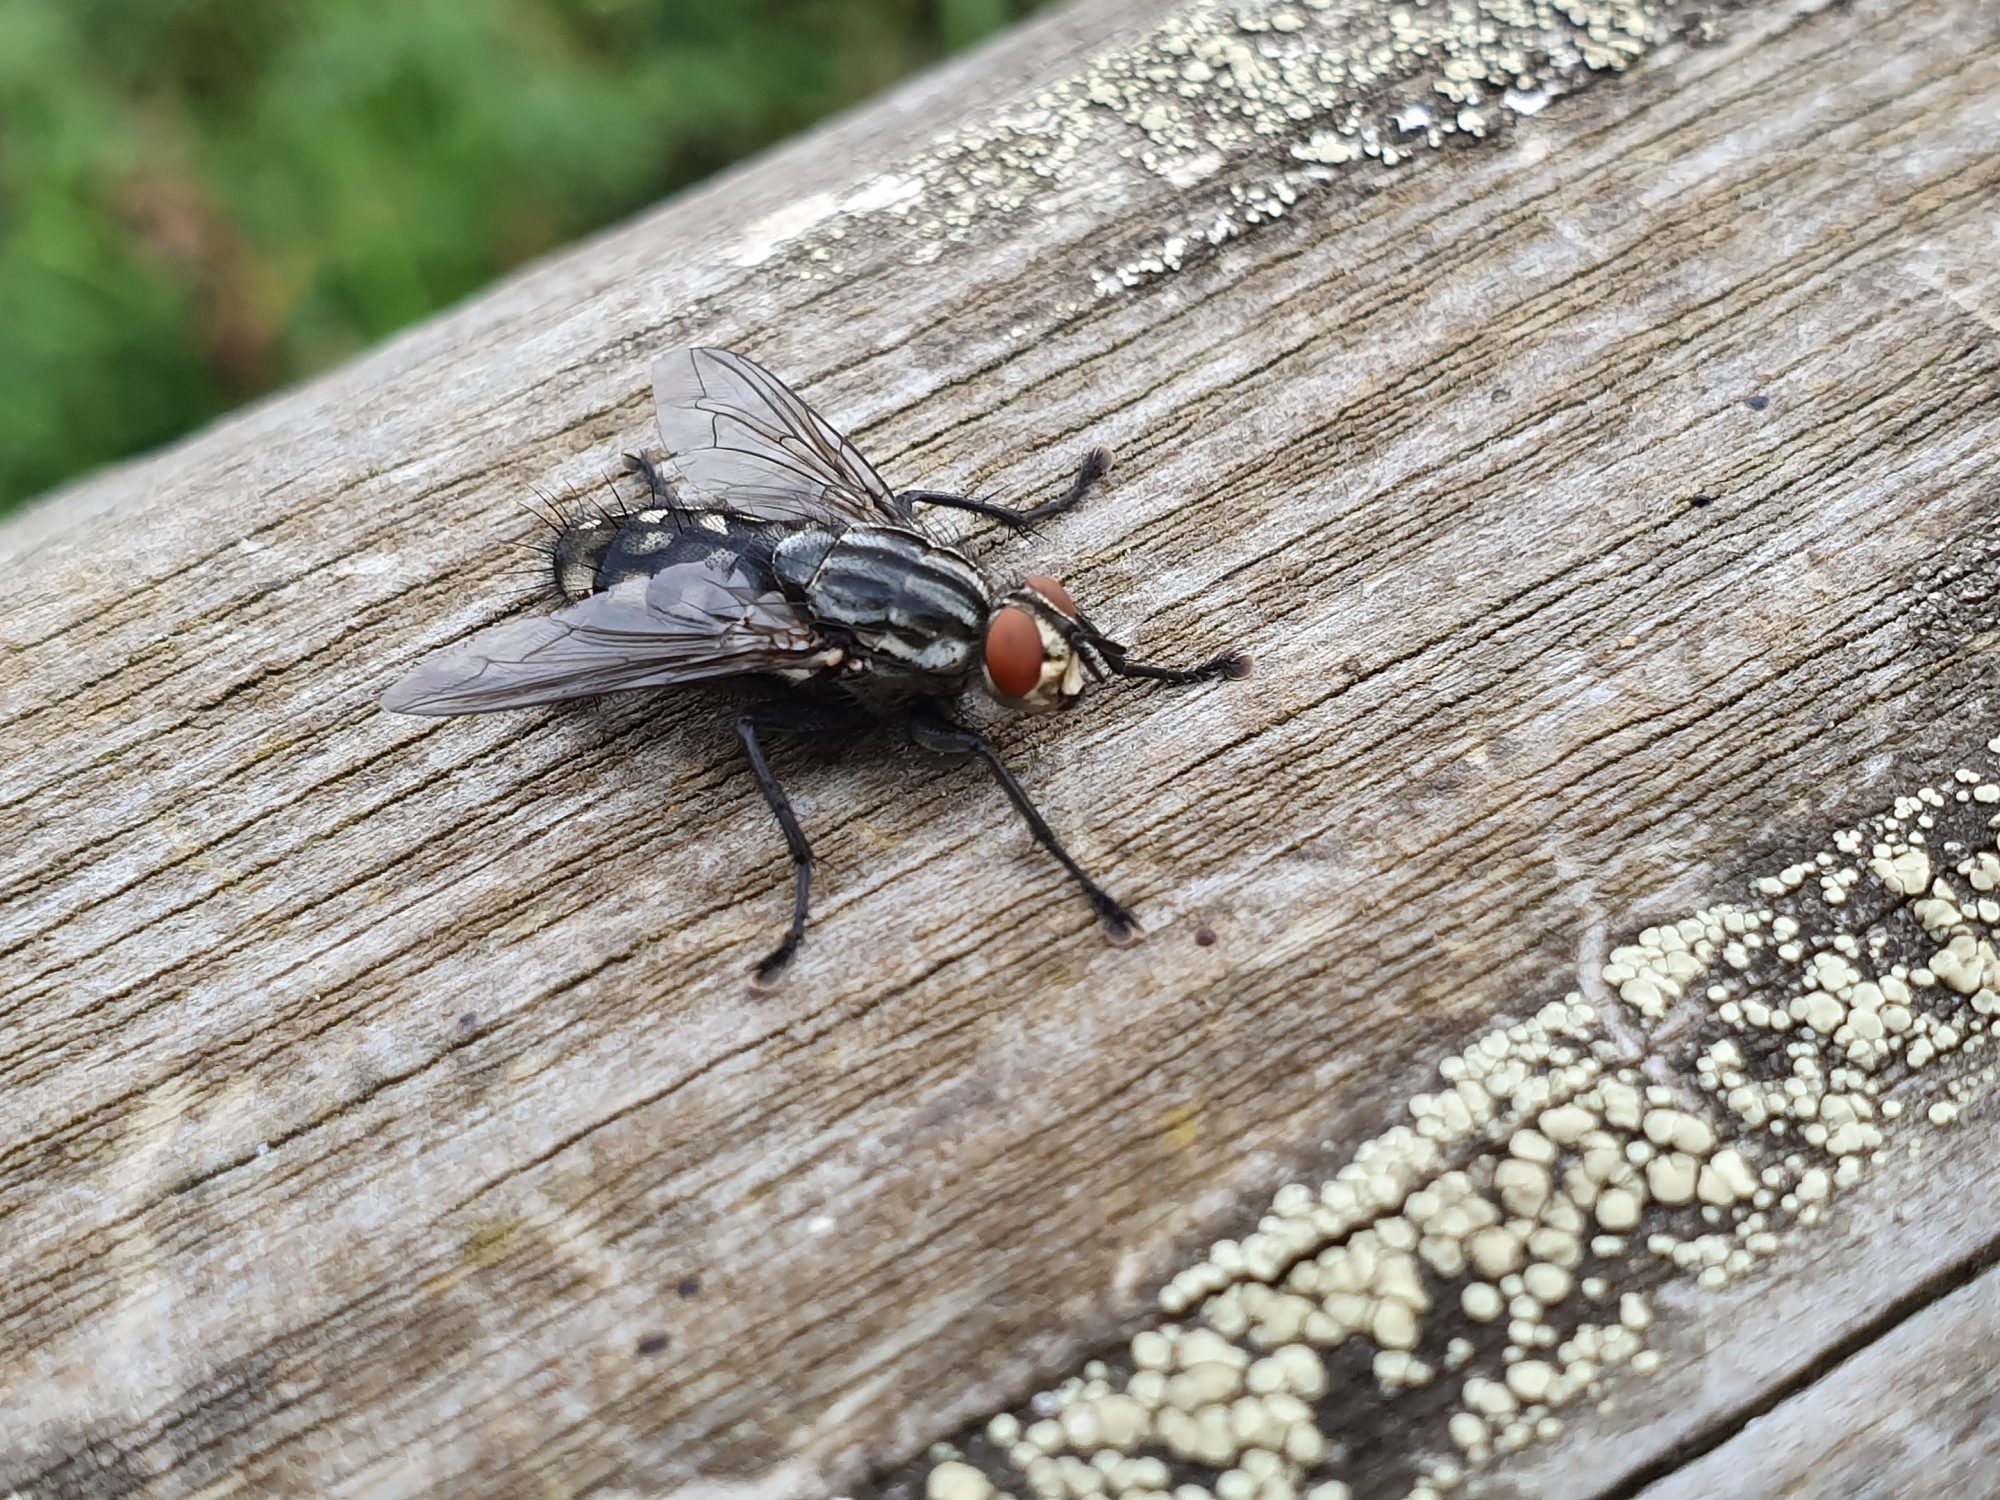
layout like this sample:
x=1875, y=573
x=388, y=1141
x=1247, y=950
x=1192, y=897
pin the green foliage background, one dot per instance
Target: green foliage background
x=202, y=199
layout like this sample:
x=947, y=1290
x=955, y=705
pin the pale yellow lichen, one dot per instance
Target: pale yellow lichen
x=1549, y=1172
x=1260, y=101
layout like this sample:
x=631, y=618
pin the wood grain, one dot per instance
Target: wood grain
x=373, y=1088
x=1841, y=1321
x=1913, y=1414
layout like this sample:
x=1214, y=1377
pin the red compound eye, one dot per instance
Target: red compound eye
x=1013, y=652
x=1054, y=592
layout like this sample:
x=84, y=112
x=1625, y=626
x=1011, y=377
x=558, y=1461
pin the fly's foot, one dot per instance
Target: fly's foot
x=765, y=974
x=1119, y=924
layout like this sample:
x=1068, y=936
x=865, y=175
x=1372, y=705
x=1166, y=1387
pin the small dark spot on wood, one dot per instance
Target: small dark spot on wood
x=1695, y=29
x=652, y=1343
x=1498, y=394
x=1204, y=937
x=468, y=1022
x=690, y=1288
x=1701, y=502
x=1758, y=403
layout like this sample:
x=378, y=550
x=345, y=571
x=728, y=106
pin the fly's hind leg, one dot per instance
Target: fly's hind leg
x=786, y=717
x=933, y=731
x=1096, y=464
x=658, y=486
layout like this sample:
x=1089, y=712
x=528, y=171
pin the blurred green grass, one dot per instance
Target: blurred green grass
x=203, y=199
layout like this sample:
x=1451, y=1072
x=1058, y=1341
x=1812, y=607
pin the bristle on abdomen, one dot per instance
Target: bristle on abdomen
x=582, y=527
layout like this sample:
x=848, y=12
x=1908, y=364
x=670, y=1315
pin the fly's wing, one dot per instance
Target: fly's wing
x=682, y=624
x=740, y=433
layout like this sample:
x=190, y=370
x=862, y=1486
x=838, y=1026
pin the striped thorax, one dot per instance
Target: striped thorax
x=904, y=601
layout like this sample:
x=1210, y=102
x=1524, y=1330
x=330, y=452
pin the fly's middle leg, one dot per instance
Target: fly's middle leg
x=933, y=731
x=1096, y=464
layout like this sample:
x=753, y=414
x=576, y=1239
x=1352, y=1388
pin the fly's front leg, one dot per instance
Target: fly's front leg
x=1233, y=665
x=786, y=716
x=1096, y=464
x=933, y=731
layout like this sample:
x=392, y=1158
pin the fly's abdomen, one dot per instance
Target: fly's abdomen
x=907, y=602
x=594, y=554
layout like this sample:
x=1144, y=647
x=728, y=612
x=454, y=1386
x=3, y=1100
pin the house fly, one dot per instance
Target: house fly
x=772, y=552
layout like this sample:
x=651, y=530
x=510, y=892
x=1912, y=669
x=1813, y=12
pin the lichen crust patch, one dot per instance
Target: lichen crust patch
x=1248, y=108
x=1490, y=1263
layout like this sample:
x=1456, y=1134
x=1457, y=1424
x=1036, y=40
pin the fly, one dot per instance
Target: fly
x=773, y=553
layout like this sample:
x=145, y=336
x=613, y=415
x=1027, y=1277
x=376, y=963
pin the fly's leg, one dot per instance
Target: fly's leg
x=1233, y=665
x=933, y=731
x=658, y=485
x=1096, y=464
x=665, y=492
x=795, y=841
x=785, y=716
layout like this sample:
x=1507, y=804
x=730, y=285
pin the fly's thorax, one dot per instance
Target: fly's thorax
x=797, y=558
x=907, y=603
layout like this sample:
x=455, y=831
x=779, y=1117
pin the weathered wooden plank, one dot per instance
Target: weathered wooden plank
x=1905, y=1236
x=1613, y=1232
x=1914, y=1413
x=376, y=1093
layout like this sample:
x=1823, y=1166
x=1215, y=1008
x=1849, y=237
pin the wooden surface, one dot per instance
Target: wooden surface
x=1609, y=503
x=1938, y=1435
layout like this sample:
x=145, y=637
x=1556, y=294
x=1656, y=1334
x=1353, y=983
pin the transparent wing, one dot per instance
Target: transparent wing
x=682, y=624
x=740, y=433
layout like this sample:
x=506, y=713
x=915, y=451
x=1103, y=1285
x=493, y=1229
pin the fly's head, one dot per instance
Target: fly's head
x=1040, y=650
x=1033, y=655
